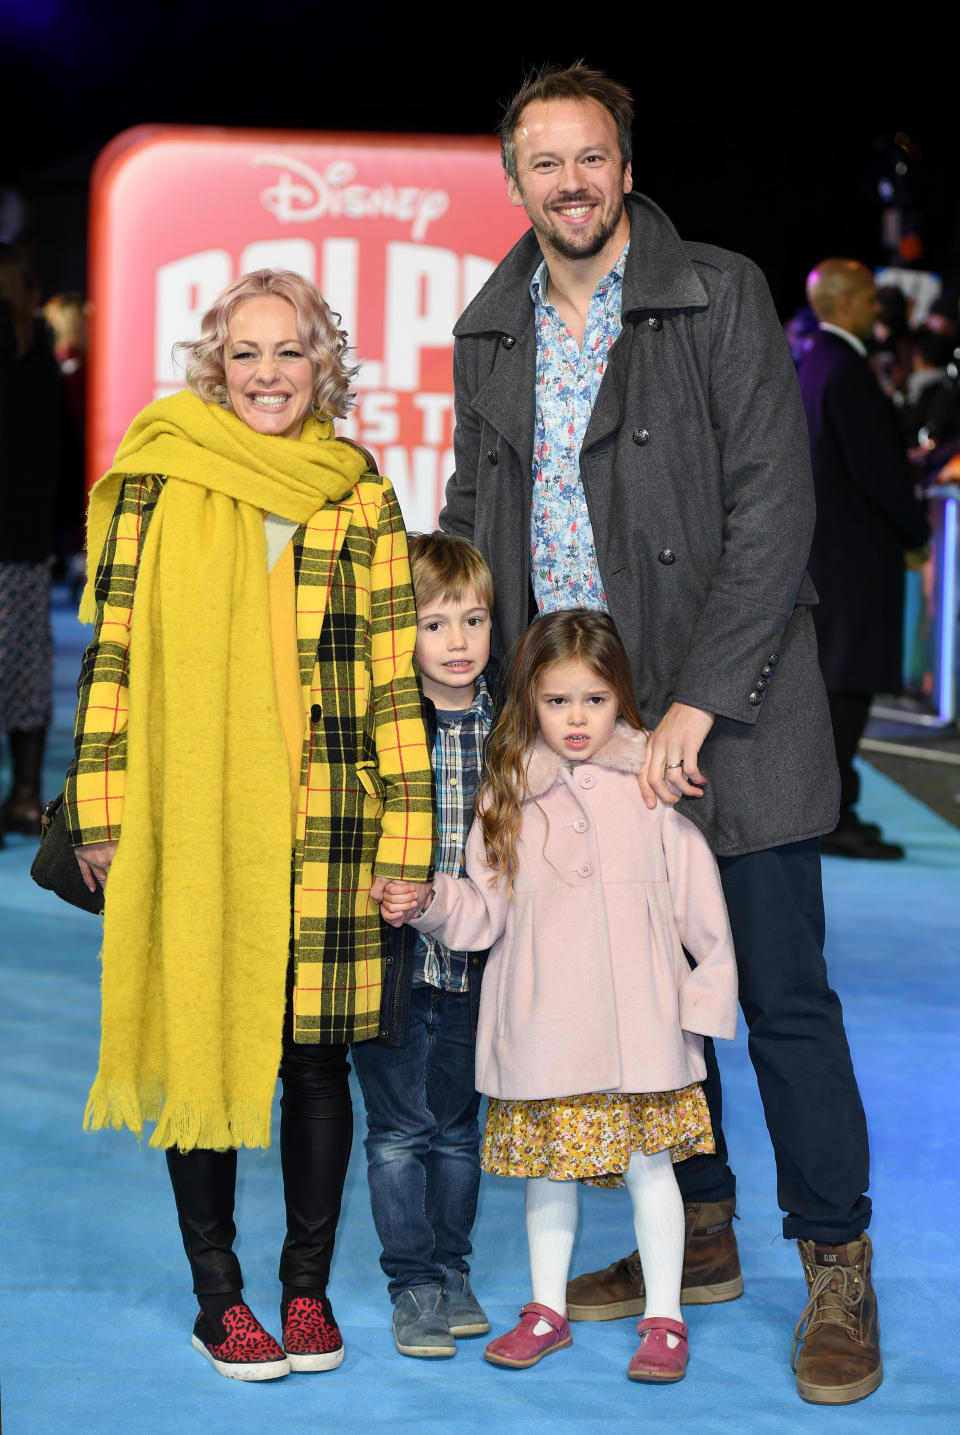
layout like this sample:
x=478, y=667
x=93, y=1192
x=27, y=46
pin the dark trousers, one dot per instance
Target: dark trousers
x=316, y=1132
x=798, y=1048
x=848, y=717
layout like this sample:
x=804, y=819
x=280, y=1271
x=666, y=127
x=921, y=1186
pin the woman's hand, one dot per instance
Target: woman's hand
x=400, y=900
x=94, y=859
x=672, y=767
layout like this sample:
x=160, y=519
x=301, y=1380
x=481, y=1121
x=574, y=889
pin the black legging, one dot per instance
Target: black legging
x=316, y=1133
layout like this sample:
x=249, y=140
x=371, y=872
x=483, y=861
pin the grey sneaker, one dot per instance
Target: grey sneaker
x=460, y=1307
x=419, y=1327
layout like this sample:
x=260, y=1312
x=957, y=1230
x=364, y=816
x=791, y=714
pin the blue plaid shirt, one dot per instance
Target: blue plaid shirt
x=457, y=759
x=563, y=558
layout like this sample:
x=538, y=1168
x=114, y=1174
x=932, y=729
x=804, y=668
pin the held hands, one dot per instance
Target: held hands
x=94, y=859
x=671, y=770
x=400, y=900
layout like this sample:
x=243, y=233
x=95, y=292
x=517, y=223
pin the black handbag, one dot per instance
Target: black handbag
x=55, y=866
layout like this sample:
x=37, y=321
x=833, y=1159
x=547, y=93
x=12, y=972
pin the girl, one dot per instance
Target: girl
x=591, y=1021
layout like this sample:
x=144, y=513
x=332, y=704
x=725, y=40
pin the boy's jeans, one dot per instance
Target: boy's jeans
x=423, y=1141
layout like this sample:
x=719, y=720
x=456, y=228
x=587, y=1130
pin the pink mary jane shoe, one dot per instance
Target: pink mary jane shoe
x=520, y=1348
x=655, y=1360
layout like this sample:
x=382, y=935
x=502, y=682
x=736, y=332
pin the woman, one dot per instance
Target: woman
x=33, y=477
x=249, y=692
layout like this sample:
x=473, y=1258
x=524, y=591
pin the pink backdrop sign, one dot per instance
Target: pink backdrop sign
x=398, y=231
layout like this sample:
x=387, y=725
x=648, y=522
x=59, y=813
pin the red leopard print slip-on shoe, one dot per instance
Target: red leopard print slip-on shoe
x=238, y=1347
x=311, y=1339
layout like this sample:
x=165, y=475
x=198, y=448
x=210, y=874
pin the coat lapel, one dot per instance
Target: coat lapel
x=323, y=539
x=507, y=399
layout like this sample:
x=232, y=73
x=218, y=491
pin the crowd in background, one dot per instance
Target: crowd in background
x=917, y=365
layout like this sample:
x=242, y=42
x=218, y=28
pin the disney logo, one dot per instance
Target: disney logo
x=302, y=194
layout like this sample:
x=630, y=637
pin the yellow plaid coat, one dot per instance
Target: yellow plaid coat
x=365, y=806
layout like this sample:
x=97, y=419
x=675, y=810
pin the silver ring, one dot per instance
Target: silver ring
x=673, y=764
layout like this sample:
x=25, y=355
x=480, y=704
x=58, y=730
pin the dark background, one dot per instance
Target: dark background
x=778, y=156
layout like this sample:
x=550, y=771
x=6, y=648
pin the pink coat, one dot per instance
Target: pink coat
x=586, y=987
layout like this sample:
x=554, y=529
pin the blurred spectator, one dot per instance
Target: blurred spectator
x=67, y=316
x=890, y=341
x=931, y=409
x=801, y=330
x=34, y=439
x=867, y=516
x=944, y=315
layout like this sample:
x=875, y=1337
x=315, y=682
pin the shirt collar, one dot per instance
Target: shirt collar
x=851, y=339
x=538, y=284
x=482, y=706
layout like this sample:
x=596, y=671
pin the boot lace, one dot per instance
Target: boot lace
x=836, y=1293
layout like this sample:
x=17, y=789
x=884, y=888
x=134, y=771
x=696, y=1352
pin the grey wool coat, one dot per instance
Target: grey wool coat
x=696, y=471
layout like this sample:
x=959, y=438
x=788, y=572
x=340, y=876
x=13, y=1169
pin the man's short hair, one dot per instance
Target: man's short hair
x=574, y=82
x=445, y=566
x=936, y=350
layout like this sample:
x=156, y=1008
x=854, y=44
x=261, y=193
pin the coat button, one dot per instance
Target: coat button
x=655, y=321
x=641, y=436
x=766, y=670
x=761, y=685
x=507, y=340
x=587, y=779
x=581, y=825
x=756, y=697
x=316, y=713
x=667, y=555
x=773, y=660
x=585, y=870
x=492, y=456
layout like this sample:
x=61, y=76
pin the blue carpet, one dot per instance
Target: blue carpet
x=94, y=1288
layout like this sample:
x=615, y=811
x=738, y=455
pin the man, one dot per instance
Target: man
x=931, y=408
x=629, y=437
x=867, y=517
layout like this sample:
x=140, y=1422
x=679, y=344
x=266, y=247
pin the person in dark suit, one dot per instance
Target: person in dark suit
x=867, y=520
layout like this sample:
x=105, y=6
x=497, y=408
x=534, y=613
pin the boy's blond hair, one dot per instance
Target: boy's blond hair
x=444, y=566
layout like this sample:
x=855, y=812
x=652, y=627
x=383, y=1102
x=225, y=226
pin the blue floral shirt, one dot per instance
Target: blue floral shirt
x=563, y=558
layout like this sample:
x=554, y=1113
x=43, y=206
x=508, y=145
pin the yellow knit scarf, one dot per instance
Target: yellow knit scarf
x=197, y=920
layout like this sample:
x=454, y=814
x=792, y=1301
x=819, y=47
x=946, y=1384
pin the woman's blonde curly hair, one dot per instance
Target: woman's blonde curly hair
x=318, y=328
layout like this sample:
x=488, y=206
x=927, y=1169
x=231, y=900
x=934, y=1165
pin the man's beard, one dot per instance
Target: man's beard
x=566, y=245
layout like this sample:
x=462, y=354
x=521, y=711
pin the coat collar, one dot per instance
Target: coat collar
x=625, y=752
x=659, y=275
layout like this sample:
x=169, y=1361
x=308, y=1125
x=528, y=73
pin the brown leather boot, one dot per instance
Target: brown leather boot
x=840, y=1360
x=711, y=1270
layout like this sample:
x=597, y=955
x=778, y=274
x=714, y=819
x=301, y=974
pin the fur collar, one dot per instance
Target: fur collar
x=625, y=752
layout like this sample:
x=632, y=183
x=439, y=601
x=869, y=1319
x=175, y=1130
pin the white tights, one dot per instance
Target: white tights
x=551, y=1211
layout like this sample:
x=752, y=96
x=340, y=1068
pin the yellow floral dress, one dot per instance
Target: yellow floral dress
x=591, y=1138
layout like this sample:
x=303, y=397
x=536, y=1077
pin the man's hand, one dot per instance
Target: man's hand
x=671, y=770
x=399, y=900
x=94, y=859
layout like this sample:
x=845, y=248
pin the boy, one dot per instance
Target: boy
x=417, y=1079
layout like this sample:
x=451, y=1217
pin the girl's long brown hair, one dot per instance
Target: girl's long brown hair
x=573, y=636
